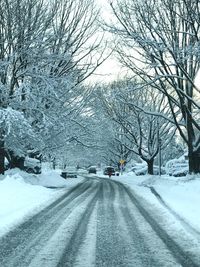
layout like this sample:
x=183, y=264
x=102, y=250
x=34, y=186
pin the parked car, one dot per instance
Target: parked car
x=69, y=172
x=92, y=169
x=32, y=165
x=143, y=170
x=181, y=172
x=138, y=166
x=82, y=171
x=109, y=170
x=176, y=165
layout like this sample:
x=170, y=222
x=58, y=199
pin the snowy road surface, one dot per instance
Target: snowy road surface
x=99, y=222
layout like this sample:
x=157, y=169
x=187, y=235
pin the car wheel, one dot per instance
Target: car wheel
x=29, y=170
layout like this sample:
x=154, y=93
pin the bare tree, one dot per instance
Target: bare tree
x=142, y=131
x=159, y=42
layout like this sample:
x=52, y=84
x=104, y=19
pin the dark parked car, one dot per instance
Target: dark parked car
x=109, y=170
x=181, y=172
x=69, y=172
x=92, y=169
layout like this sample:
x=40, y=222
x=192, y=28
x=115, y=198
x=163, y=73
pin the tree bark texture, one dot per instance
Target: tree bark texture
x=2, y=157
x=150, y=166
x=16, y=161
x=194, y=162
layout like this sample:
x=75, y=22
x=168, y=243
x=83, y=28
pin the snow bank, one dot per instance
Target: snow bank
x=181, y=194
x=23, y=194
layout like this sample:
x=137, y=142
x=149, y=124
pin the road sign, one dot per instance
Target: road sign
x=122, y=161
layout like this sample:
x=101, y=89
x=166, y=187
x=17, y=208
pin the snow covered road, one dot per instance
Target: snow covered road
x=99, y=222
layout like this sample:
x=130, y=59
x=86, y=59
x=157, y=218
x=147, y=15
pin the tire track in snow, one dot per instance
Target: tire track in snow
x=136, y=236
x=71, y=249
x=109, y=247
x=183, y=257
x=189, y=227
x=114, y=247
x=16, y=246
x=55, y=236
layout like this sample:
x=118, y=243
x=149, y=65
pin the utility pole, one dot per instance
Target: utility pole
x=160, y=160
x=2, y=152
x=159, y=149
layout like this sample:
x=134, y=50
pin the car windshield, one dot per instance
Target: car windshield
x=110, y=169
x=70, y=169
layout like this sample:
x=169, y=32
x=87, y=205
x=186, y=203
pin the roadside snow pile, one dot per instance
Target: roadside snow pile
x=181, y=194
x=52, y=178
x=48, y=178
x=23, y=194
x=18, y=198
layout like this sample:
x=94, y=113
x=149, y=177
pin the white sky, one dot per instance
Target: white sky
x=110, y=69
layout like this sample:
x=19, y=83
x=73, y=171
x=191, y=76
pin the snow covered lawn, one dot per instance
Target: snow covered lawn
x=23, y=194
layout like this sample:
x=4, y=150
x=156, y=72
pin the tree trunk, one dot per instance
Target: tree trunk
x=150, y=166
x=193, y=155
x=16, y=161
x=194, y=161
x=2, y=157
x=54, y=163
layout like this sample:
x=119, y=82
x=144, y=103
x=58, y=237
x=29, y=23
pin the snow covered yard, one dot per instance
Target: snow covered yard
x=181, y=194
x=23, y=194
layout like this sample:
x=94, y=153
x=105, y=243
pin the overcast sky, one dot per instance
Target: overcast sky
x=110, y=69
